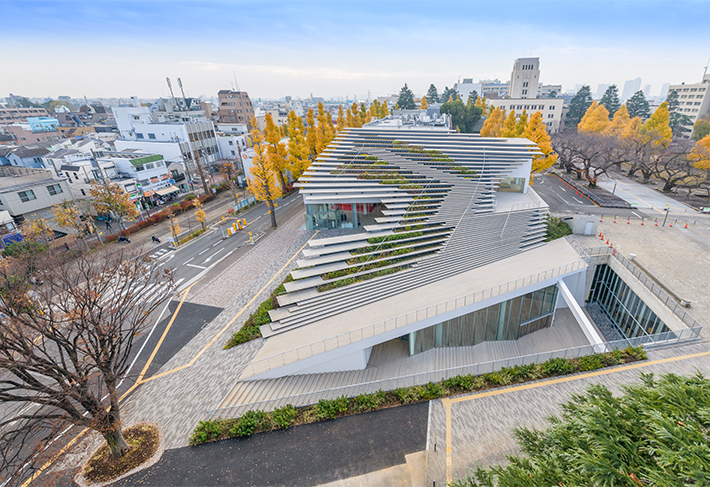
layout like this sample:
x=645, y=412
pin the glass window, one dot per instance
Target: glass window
x=54, y=189
x=26, y=196
x=151, y=136
x=140, y=136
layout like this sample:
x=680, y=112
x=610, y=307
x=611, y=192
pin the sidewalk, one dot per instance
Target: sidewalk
x=641, y=196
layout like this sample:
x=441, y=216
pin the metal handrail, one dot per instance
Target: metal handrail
x=336, y=341
x=421, y=378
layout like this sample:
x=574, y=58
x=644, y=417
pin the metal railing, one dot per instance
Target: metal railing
x=351, y=390
x=306, y=351
x=655, y=289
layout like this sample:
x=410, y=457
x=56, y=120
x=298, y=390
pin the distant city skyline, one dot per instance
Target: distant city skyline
x=337, y=49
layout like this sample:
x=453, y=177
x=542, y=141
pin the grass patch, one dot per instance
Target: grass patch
x=251, y=329
x=260, y=421
x=143, y=441
x=556, y=228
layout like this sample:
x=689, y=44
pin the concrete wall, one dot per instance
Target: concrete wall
x=349, y=355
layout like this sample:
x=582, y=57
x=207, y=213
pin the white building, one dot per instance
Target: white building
x=550, y=108
x=495, y=88
x=149, y=171
x=525, y=78
x=694, y=99
x=630, y=87
x=467, y=87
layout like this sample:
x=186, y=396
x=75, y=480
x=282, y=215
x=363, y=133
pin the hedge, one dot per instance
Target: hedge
x=261, y=421
x=250, y=330
x=160, y=216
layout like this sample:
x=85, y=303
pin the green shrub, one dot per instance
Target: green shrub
x=190, y=197
x=329, y=409
x=433, y=390
x=636, y=353
x=405, y=395
x=368, y=402
x=556, y=228
x=206, y=431
x=557, y=366
x=250, y=422
x=283, y=417
x=589, y=362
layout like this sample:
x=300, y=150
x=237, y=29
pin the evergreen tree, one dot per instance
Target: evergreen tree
x=578, y=106
x=463, y=117
x=638, y=106
x=432, y=95
x=448, y=94
x=701, y=129
x=406, y=99
x=679, y=123
x=610, y=100
x=552, y=94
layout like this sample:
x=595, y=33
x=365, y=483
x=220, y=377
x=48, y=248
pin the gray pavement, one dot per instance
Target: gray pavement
x=481, y=427
x=640, y=196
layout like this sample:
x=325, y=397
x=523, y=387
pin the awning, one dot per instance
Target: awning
x=168, y=190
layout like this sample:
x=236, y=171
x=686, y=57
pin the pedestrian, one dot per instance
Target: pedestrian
x=108, y=225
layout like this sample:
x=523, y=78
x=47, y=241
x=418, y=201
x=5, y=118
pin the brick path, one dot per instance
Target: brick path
x=481, y=427
x=177, y=401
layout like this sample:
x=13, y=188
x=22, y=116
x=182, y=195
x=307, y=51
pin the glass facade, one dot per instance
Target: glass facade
x=512, y=185
x=342, y=215
x=623, y=306
x=508, y=320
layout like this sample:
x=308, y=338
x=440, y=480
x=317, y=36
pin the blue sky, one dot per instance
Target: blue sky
x=339, y=48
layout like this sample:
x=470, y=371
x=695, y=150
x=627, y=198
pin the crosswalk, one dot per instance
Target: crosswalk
x=159, y=253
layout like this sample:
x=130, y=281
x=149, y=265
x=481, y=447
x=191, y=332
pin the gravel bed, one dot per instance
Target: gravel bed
x=607, y=328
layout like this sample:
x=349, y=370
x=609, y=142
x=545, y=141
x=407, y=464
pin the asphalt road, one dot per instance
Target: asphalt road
x=562, y=199
x=304, y=455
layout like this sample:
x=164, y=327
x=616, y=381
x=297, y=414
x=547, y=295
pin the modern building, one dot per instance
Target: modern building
x=24, y=156
x=28, y=193
x=545, y=91
x=525, y=78
x=149, y=171
x=24, y=135
x=550, y=108
x=20, y=115
x=467, y=87
x=630, y=87
x=495, y=88
x=694, y=99
x=235, y=107
x=439, y=214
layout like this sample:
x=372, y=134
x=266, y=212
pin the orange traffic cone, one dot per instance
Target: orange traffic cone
x=642, y=221
x=671, y=225
x=656, y=222
x=686, y=225
x=628, y=222
x=607, y=240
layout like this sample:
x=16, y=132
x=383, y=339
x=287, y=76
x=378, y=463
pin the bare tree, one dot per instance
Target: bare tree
x=674, y=167
x=591, y=154
x=65, y=346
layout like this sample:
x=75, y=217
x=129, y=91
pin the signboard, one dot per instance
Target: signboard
x=172, y=181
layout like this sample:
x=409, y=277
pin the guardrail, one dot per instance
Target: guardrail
x=351, y=390
x=655, y=289
x=306, y=351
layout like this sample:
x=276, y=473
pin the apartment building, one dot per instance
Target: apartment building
x=694, y=99
x=20, y=115
x=235, y=107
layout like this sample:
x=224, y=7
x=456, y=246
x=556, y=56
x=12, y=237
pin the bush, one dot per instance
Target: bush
x=329, y=409
x=190, y=197
x=556, y=228
x=557, y=366
x=368, y=402
x=283, y=417
x=408, y=394
x=433, y=390
x=206, y=431
x=589, y=362
x=249, y=422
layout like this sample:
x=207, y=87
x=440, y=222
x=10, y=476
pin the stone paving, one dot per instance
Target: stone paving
x=481, y=427
x=177, y=401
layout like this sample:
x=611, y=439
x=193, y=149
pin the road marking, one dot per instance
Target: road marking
x=168, y=259
x=216, y=244
x=188, y=260
x=203, y=251
x=197, y=266
x=449, y=401
x=637, y=215
x=229, y=324
x=578, y=201
x=563, y=189
x=255, y=219
x=210, y=257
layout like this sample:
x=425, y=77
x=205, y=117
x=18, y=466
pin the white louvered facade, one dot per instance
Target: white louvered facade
x=438, y=205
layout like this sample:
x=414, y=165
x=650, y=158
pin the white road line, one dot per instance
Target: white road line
x=210, y=257
x=563, y=189
x=188, y=260
x=216, y=244
x=255, y=219
x=177, y=283
x=578, y=201
x=637, y=215
x=206, y=250
x=198, y=266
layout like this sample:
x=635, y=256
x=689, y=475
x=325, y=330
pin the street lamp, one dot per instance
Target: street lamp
x=666, y=209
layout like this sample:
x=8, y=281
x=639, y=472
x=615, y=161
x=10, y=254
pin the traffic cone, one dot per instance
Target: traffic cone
x=656, y=222
x=628, y=222
x=641, y=221
x=600, y=234
x=686, y=225
x=671, y=225
x=614, y=220
x=607, y=240
x=611, y=246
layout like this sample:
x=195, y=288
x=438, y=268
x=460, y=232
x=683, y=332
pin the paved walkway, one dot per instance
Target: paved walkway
x=641, y=196
x=481, y=424
x=196, y=378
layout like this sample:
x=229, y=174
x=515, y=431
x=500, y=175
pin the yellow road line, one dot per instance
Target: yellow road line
x=226, y=327
x=54, y=458
x=497, y=392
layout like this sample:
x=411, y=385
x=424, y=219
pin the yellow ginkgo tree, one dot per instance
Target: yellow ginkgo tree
x=109, y=197
x=262, y=176
x=536, y=131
